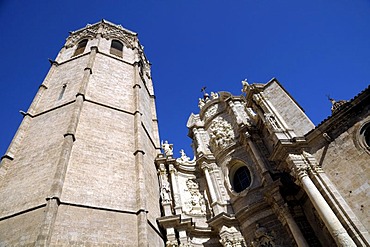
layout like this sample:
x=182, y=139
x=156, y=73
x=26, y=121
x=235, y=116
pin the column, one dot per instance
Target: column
x=300, y=168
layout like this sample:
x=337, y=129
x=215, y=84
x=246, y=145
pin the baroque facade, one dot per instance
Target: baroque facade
x=262, y=173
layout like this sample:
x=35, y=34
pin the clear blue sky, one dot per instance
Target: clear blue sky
x=313, y=48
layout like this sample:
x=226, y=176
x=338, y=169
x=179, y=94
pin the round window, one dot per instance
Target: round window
x=365, y=135
x=241, y=179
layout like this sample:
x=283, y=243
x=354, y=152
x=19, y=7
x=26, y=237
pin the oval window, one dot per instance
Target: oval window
x=241, y=179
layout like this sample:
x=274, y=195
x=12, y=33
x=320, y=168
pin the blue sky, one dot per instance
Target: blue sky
x=314, y=48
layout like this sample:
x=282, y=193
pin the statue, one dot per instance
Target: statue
x=167, y=148
x=201, y=103
x=214, y=95
x=166, y=193
x=183, y=156
x=245, y=85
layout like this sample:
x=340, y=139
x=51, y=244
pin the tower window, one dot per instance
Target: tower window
x=116, y=48
x=62, y=91
x=241, y=179
x=80, y=47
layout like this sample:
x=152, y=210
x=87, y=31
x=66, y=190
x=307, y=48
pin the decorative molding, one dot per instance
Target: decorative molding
x=89, y=32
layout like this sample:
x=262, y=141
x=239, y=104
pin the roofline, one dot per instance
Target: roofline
x=273, y=79
x=106, y=22
x=338, y=115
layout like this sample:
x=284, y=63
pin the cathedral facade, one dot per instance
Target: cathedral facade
x=86, y=166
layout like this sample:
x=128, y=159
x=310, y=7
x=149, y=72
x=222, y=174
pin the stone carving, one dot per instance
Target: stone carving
x=298, y=165
x=166, y=193
x=109, y=31
x=172, y=243
x=196, y=205
x=90, y=32
x=115, y=33
x=272, y=122
x=165, y=187
x=201, y=140
x=201, y=103
x=251, y=114
x=167, y=148
x=245, y=85
x=263, y=238
x=214, y=95
x=184, y=159
x=212, y=110
x=221, y=133
x=231, y=237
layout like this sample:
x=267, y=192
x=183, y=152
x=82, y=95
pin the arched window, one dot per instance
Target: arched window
x=116, y=48
x=241, y=179
x=80, y=47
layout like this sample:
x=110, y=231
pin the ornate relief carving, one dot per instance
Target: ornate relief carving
x=201, y=138
x=298, y=166
x=231, y=237
x=172, y=243
x=221, y=133
x=89, y=32
x=263, y=238
x=196, y=205
x=211, y=111
x=214, y=95
x=110, y=32
x=271, y=122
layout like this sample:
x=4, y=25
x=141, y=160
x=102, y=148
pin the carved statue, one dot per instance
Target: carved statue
x=201, y=103
x=183, y=156
x=166, y=193
x=245, y=85
x=167, y=148
x=214, y=95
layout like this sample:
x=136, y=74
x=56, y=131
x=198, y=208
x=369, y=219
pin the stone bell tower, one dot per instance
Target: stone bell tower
x=80, y=168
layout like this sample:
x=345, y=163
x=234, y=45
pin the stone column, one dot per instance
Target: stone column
x=276, y=201
x=300, y=167
x=175, y=189
x=211, y=188
x=293, y=227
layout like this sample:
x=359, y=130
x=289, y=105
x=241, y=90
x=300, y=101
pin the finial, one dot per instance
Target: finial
x=205, y=94
x=336, y=105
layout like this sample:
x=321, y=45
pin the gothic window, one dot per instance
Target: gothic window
x=80, y=47
x=116, y=48
x=240, y=178
x=365, y=135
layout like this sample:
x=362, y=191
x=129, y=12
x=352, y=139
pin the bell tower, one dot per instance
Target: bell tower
x=80, y=168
